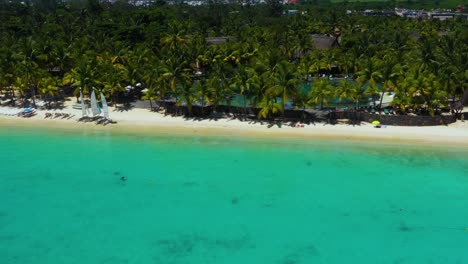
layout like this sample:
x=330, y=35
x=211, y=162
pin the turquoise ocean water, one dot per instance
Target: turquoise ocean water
x=193, y=199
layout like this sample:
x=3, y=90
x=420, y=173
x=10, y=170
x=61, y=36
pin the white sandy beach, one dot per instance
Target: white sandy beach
x=140, y=120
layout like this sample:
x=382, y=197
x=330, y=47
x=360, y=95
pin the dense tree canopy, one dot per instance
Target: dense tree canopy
x=267, y=60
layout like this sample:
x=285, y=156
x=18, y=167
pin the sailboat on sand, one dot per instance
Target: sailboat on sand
x=83, y=106
x=105, y=110
x=96, y=110
x=94, y=106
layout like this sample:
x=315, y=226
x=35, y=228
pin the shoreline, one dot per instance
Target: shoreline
x=143, y=121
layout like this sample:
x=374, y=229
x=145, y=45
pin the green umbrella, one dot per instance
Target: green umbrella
x=376, y=122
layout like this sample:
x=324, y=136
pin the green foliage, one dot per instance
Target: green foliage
x=267, y=59
x=321, y=93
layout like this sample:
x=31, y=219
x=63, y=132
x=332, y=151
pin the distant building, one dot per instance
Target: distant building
x=441, y=16
x=324, y=41
x=378, y=13
x=289, y=2
x=413, y=14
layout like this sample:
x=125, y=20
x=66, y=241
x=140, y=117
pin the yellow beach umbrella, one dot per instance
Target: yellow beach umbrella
x=376, y=122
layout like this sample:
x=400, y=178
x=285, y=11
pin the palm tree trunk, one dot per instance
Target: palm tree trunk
x=303, y=113
x=244, y=109
x=33, y=96
x=283, y=103
x=203, y=105
x=381, y=98
x=12, y=94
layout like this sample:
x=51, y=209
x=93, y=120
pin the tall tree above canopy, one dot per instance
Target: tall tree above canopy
x=175, y=40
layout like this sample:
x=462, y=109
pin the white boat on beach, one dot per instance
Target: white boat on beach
x=96, y=111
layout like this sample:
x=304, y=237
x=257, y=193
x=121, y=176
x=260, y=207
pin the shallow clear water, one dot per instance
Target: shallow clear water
x=227, y=200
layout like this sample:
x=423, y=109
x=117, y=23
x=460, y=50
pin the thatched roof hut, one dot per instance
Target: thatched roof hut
x=325, y=42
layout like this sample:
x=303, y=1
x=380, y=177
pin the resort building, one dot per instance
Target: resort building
x=325, y=42
x=441, y=16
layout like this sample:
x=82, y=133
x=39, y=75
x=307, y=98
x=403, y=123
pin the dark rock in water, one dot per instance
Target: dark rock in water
x=404, y=228
x=234, y=200
x=116, y=172
x=311, y=250
x=123, y=178
x=290, y=259
x=309, y=163
x=181, y=247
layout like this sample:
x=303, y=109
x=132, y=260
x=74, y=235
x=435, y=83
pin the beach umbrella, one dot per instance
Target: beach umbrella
x=376, y=122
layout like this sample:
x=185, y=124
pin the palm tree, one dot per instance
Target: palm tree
x=301, y=100
x=113, y=76
x=150, y=95
x=48, y=87
x=175, y=71
x=151, y=77
x=346, y=90
x=84, y=75
x=285, y=82
x=370, y=74
x=220, y=90
x=321, y=91
x=329, y=60
x=269, y=106
x=434, y=93
x=27, y=68
x=186, y=95
x=245, y=79
x=389, y=70
x=137, y=61
x=202, y=93
x=427, y=48
x=402, y=97
x=175, y=39
x=7, y=68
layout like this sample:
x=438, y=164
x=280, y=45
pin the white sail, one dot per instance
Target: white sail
x=105, y=110
x=83, y=106
x=94, y=106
